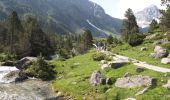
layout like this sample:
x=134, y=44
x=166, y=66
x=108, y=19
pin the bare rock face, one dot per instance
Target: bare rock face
x=160, y=52
x=25, y=62
x=167, y=85
x=134, y=81
x=165, y=60
x=97, y=78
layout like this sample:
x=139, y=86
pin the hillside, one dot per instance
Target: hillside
x=64, y=16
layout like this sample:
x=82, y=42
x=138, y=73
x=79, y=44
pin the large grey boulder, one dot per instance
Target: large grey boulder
x=7, y=63
x=134, y=81
x=97, y=78
x=165, y=60
x=25, y=62
x=160, y=52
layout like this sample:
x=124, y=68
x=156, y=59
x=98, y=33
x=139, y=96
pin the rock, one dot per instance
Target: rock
x=102, y=61
x=25, y=62
x=165, y=40
x=8, y=63
x=15, y=76
x=142, y=92
x=96, y=78
x=130, y=99
x=109, y=81
x=167, y=85
x=160, y=52
x=139, y=70
x=127, y=74
x=134, y=81
x=143, y=49
x=104, y=66
x=165, y=60
x=118, y=63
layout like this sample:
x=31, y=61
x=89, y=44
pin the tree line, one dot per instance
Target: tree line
x=26, y=38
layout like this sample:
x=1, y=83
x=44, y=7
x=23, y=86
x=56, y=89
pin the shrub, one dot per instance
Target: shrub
x=166, y=45
x=135, y=39
x=40, y=69
x=98, y=56
x=5, y=57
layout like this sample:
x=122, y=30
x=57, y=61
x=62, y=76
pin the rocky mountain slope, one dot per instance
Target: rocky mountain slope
x=145, y=17
x=64, y=16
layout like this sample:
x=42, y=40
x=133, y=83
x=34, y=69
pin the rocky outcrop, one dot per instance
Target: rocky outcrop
x=165, y=60
x=134, y=81
x=160, y=52
x=96, y=78
x=25, y=62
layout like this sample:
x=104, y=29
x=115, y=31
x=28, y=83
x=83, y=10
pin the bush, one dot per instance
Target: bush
x=5, y=57
x=166, y=45
x=135, y=39
x=98, y=56
x=41, y=69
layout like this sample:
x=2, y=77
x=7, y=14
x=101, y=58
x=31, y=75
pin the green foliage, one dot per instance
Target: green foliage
x=153, y=26
x=110, y=39
x=41, y=69
x=5, y=57
x=98, y=56
x=135, y=39
x=166, y=45
x=129, y=25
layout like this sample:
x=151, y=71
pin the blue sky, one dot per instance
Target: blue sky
x=117, y=8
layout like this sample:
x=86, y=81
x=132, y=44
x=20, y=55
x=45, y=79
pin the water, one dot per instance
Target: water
x=5, y=70
x=32, y=89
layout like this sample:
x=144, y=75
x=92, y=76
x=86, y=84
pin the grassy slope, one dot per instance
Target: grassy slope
x=134, y=52
x=74, y=80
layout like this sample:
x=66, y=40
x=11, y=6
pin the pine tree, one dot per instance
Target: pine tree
x=153, y=26
x=165, y=20
x=110, y=39
x=15, y=29
x=129, y=25
x=87, y=39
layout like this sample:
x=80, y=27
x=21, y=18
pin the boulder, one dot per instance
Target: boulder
x=102, y=61
x=109, y=81
x=139, y=70
x=118, y=63
x=104, y=66
x=167, y=85
x=160, y=52
x=143, y=49
x=8, y=63
x=165, y=60
x=165, y=40
x=25, y=62
x=96, y=78
x=135, y=81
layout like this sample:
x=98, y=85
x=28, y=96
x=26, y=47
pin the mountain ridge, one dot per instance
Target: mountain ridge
x=66, y=16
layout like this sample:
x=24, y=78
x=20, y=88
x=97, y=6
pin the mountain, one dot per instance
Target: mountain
x=145, y=17
x=64, y=16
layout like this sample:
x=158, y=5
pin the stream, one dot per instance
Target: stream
x=31, y=89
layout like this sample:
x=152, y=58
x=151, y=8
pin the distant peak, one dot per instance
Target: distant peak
x=153, y=6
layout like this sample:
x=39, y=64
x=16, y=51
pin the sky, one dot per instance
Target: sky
x=117, y=8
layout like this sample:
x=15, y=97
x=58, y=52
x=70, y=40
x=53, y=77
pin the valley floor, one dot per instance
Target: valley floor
x=74, y=75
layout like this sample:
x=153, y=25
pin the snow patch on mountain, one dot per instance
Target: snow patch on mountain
x=145, y=17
